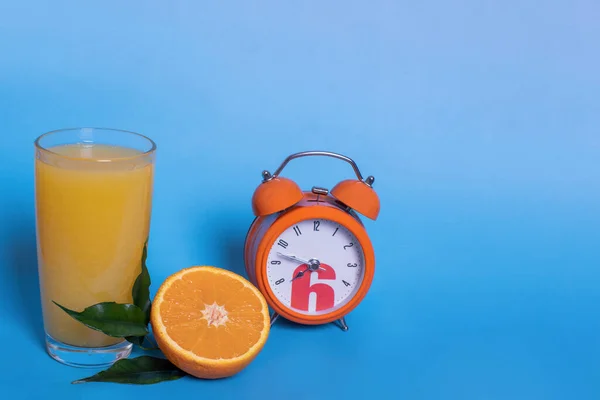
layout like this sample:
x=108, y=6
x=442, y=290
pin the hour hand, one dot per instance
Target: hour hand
x=300, y=274
x=293, y=258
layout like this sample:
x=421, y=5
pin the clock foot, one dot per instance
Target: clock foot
x=342, y=324
x=274, y=318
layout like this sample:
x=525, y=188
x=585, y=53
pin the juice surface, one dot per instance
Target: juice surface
x=93, y=218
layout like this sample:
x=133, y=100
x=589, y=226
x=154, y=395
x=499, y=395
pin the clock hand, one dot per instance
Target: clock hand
x=293, y=258
x=301, y=260
x=300, y=274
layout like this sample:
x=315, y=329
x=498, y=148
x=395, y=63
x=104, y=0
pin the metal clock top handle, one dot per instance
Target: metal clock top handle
x=368, y=181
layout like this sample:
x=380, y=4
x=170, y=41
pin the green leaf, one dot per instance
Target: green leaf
x=141, y=287
x=144, y=370
x=112, y=319
x=137, y=340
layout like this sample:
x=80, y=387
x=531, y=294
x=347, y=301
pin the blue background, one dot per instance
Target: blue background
x=479, y=119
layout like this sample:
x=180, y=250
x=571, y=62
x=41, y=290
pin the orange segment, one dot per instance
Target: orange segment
x=209, y=322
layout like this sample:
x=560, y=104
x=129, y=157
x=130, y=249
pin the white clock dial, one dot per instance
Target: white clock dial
x=315, y=266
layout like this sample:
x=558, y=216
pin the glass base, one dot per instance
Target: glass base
x=86, y=357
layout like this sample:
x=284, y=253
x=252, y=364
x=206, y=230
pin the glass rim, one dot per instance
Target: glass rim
x=39, y=146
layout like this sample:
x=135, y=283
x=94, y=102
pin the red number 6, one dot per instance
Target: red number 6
x=301, y=289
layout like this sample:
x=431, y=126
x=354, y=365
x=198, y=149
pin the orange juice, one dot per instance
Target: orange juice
x=93, y=207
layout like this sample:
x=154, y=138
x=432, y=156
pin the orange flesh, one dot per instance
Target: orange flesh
x=212, y=315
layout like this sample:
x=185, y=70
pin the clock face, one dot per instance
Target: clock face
x=315, y=266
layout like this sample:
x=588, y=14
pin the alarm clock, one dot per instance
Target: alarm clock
x=308, y=252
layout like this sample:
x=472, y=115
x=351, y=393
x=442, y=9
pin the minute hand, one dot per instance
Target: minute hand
x=293, y=258
x=300, y=260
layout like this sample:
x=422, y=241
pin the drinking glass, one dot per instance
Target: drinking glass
x=93, y=196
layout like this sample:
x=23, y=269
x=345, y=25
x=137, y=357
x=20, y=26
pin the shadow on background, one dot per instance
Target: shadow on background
x=284, y=324
x=227, y=239
x=232, y=244
x=22, y=271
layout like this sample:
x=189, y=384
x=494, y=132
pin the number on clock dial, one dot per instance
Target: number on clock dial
x=334, y=284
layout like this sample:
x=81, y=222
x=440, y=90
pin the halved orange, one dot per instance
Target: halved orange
x=209, y=322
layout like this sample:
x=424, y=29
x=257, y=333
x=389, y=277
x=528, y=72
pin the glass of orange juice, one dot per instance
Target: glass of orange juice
x=93, y=190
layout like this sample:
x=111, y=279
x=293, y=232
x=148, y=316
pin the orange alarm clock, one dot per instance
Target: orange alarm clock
x=308, y=251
